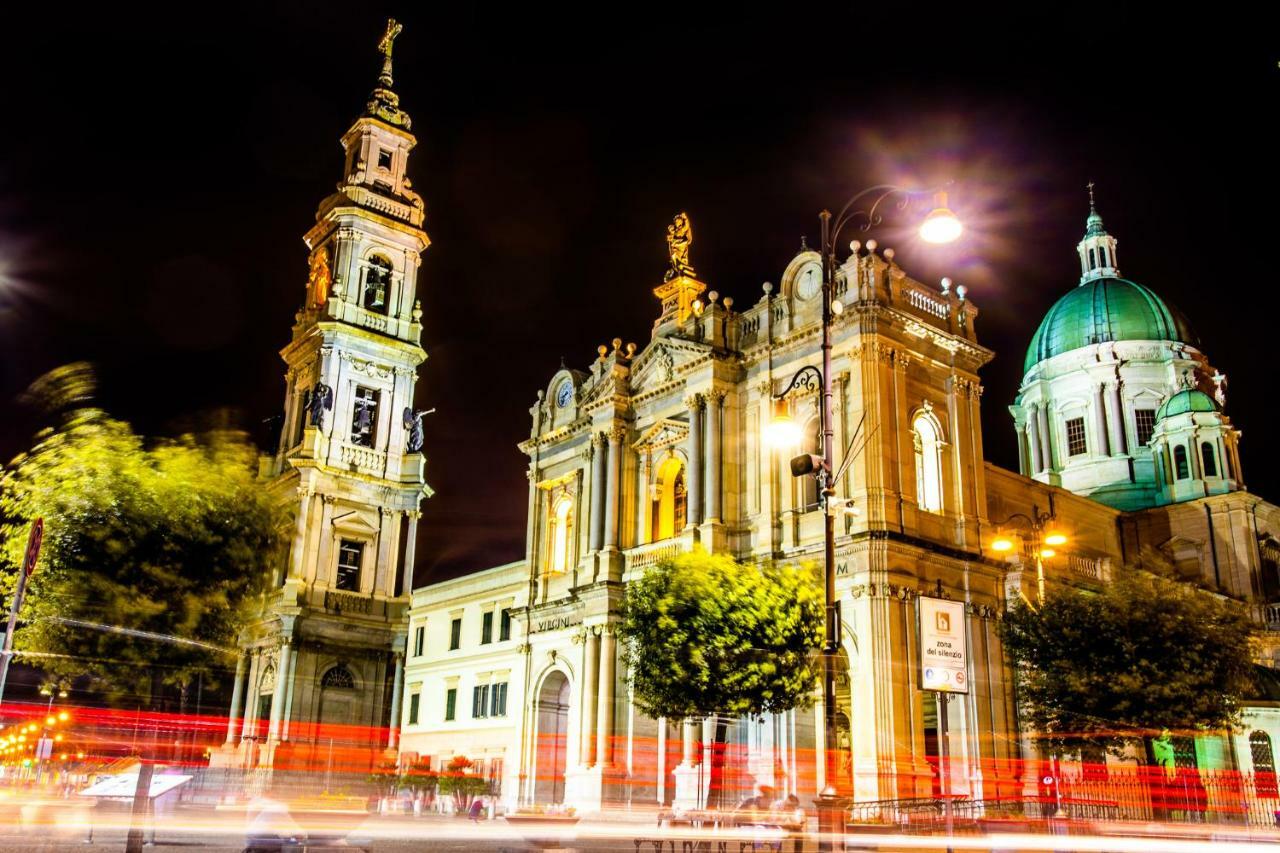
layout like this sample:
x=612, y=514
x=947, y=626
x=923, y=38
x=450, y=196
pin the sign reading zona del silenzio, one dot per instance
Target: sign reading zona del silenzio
x=943, y=655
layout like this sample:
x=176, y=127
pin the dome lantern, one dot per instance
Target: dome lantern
x=1097, y=250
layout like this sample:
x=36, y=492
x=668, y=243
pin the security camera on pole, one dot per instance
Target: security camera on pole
x=20, y=588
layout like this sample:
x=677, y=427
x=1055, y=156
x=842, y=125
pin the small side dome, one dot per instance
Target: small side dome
x=1186, y=400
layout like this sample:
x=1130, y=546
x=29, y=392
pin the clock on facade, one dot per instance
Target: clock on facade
x=809, y=282
x=564, y=393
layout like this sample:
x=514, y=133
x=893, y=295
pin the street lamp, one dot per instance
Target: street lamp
x=1043, y=533
x=940, y=226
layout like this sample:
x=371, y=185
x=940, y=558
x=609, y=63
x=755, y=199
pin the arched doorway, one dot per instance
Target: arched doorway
x=338, y=700
x=670, y=502
x=550, y=759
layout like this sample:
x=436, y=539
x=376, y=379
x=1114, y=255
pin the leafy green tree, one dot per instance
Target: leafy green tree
x=705, y=635
x=152, y=549
x=1144, y=654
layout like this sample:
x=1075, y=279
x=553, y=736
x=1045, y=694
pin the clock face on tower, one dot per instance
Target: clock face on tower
x=564, y=393
x=809, y=281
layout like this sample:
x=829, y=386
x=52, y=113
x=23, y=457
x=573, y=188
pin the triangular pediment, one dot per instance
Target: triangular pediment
x=664, y=433
x=662, y=360
x=354, y=522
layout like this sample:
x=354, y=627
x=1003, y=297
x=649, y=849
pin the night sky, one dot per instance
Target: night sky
x=157, y=172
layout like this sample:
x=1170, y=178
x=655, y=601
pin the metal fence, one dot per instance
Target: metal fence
x=1131, y=794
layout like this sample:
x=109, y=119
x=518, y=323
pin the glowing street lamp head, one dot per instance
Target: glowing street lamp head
x=1055, y=537
x=1048, y=552
x=782, y=431
x=1002, y=544
x=941, y=225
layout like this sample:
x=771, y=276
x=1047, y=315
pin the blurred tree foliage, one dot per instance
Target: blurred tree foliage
x=1144, y=654
x=170, y=537
x=705, y=635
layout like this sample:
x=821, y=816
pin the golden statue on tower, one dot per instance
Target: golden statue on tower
x=679, y=238
x=680, y=286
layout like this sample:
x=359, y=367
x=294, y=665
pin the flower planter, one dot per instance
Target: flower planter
x=544, y=831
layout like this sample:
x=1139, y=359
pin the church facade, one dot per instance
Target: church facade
x=654, y=450
x=322, y=666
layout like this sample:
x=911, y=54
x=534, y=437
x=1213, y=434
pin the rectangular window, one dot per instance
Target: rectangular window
x=419, y=640
x=384, y=158
x=455, y=634
x=498, y=700
x=1144, y=423
x=450, y=703
x=350, y=556
x=1075, y=437
x=413, y=709
x=364, y=416
x=504, y=624
x=486, y=628
x=480, y=701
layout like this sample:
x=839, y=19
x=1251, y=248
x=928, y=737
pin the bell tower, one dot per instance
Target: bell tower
x=325, y=659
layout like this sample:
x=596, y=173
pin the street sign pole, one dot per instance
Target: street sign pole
x=28, y=566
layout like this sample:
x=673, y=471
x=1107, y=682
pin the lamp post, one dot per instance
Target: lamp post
x=940, y=226
x=1044, y=537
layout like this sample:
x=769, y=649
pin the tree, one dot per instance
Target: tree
x=1144, y=654
x=705, y=635
x=152, y=549
x=463, y=786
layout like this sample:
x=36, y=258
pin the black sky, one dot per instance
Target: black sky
x=158, y=168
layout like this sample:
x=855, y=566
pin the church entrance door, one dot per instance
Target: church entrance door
x=552, y=739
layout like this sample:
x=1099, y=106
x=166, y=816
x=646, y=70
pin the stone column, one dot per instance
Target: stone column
x=237, y=700
x=299, y=551
x=278, y=693
x=1100, y=421
x=589, y=685
x=611, y=490
x=397, y=686
x=660, y=789
x=597, y=492
x=1033, y=440
x=694, y=478
x=410, y=550
x=1117, y=422
x=1046, y=446
x=713, y=462
x=251, y=694
x=604, y=701
x=288, y=696
x=324, y=547
x=644, y=506
x=686, y=742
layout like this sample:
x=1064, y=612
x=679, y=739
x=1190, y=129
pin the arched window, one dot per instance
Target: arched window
x=927, y=437
x=671, y=501
x=1264, y=764
x=561, y=539
x=339, y=677
x=808, y=485
x=1181, y=471
x=1209, y=459
x=377, y=281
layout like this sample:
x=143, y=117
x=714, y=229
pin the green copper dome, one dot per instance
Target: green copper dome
x=1186, y=400
x=1106, y=309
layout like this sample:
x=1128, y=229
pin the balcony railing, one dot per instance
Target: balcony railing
x=643, y=556
x=348, y=602
x=363, y=459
